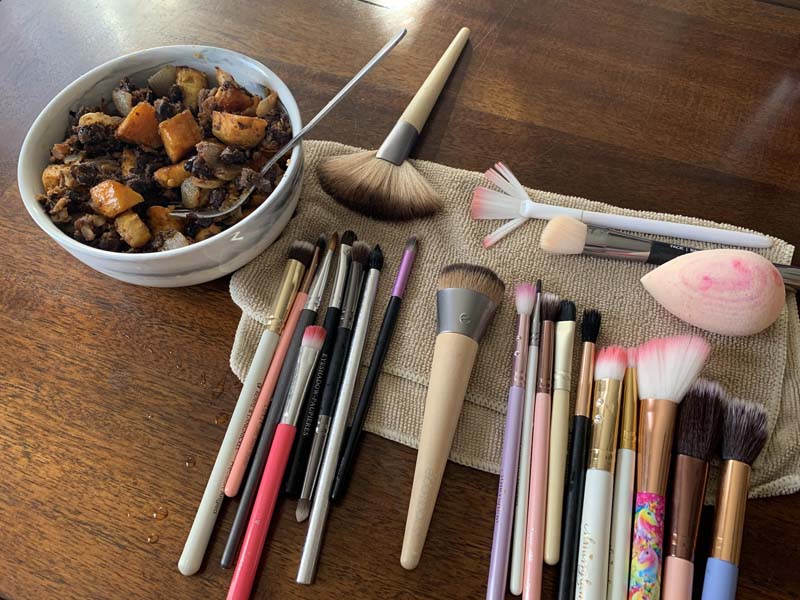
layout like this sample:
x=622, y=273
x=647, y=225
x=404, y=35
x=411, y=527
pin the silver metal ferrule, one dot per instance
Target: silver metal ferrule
x=397, y=145
x=609, y=243
x=464, y=311
x=351, y=296
x=319, y=283
x=306, y=359
x=340, y=279
x=536, y=321
x=791, y=275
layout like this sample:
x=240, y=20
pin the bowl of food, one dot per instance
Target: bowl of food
x=113, y=154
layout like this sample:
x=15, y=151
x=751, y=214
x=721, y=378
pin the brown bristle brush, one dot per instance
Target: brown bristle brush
x=382, y=184
x=696, y=442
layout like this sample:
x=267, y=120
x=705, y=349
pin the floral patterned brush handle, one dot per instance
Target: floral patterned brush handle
x=647, y=547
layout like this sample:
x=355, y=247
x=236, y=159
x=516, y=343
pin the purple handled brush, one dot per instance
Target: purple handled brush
x=525, y=296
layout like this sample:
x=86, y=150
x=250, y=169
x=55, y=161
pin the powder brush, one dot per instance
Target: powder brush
x=466, y=302
x=383, y=184
x=696, y=442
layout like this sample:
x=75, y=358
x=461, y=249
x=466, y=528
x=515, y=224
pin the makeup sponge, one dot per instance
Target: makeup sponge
x=726, y=291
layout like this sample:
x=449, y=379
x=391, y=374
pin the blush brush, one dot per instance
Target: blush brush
x=383, y=184
x=696, y=442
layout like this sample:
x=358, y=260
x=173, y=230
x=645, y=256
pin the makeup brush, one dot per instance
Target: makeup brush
x=537, y=490
x=565, y=235
x=592, y=579
x=256, y=534
x=744, y=433
x=383, y=184
x=524, y=477
x=466, y=301
x=559, y=431
x=302, y=449
x=666, y=369
x=513, y=202
x=696, y=442
x=624, y=472
x=319, y=510
x=289, y=344
x=525, y=298
x=298, y=258
x=360, y=256
x=373, y=373
x=579, y=448
x=269, y=422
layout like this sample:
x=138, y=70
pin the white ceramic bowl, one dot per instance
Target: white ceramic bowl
x=202, y=261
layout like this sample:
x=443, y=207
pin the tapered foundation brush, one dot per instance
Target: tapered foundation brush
x=383, y=184
x=744, y=434
x=466, y=301
x=696, y=442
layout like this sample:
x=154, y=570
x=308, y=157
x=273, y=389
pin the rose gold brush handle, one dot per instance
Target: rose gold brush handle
x=453, y=358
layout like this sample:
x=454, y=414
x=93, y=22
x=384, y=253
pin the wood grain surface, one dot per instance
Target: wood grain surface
x=109, y=391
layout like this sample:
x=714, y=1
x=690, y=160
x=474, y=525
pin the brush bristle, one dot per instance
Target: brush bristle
x=700, y=420
x=490, y=204
x=411, y=244
x=563, y=235
x=322, y=243
x=473, y=277
x=378, y=188
x=551, y=305
x=525, y=298
x=376, y=258
x=360, y=253
x=349, y=238
x=567, y=311
x=744, y=431
x=667, y=367
x=610, y=363
x=313, y=337
x=633, y=356
x=301, y=251
x=590, y=326
x=333, y=241
x=302, y=510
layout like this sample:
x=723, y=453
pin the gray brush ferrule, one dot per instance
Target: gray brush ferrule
x=398, y=144
x=464, y=311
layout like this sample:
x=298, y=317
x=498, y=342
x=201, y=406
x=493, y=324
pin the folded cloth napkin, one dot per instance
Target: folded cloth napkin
x=763, y=367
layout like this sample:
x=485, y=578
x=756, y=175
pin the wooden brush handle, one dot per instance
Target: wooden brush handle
x=420, y=107
x=453, y=358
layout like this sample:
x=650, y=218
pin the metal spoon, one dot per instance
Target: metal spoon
x=212, y=214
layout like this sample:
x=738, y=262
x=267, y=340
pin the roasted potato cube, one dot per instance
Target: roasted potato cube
x=110, y=198
x=132, y=229
x=237, y=130
x=159, y=219
x=127, y=163
x=232, y=98
x=267, y=105
x=171, y=176
x=55, y=176
x=99, y=118
x=174, y=240
x=191, y=81
x=224, y=77
x=206, y=232
x=140, y=126
x=179, y=134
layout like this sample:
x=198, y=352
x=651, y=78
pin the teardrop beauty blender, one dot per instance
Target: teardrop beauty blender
x=725, y=291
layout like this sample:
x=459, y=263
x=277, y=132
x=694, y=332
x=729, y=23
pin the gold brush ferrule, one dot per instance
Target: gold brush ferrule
x=685, y=505
x=290, y=283
x=630, y=406
x=731, y=503
x=605, y=423
x=583, y=400
x=656, y=424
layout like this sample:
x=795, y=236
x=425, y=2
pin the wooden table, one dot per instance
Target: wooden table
x=109, y=391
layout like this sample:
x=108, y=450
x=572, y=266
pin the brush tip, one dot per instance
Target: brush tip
x=348, y=238
x=333, y=241
x=668, y=366
x=491, y=204
x=376, y=258
x=566, y=311
x=744, y=431
x=563, y=235
x=473, y=277
x=411, y=244
x=360, y=253
x=610, y=363
x=550, y=306
x=322, y=243
x=313, y=337
x=538, y=286
x=633, y=356
x=301, y=251
x=302, y=510
x=524, y=298
x=590, y=325
x=699, y=420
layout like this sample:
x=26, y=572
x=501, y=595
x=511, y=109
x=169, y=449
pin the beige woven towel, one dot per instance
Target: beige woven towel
x=763, y=367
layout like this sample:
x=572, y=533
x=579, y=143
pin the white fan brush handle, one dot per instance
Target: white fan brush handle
x=206, y=517
x=621, y=518
x=592, y=580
